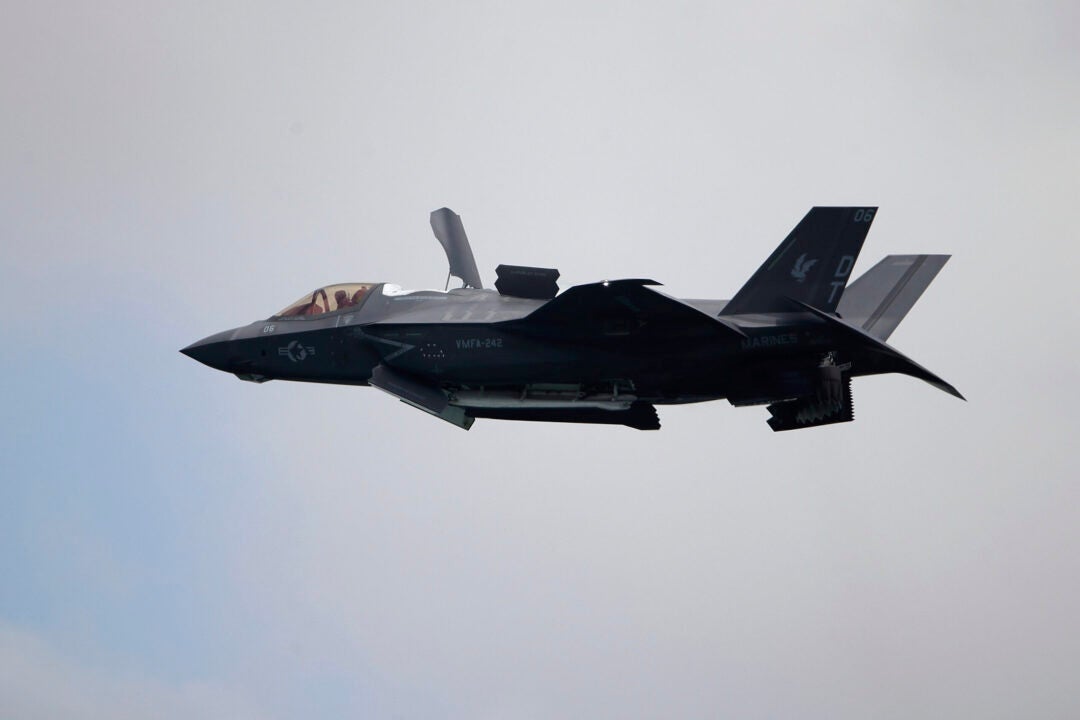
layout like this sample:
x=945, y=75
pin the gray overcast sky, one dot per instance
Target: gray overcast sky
x=174, y=543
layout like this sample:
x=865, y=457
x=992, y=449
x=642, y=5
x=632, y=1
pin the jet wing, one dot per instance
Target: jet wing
x=880, y=357
x=620, y=308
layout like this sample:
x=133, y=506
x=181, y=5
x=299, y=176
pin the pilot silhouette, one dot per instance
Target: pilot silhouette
x=342, y=299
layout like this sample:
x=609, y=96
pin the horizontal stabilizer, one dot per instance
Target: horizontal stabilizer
x=875, y=357
x=880, y=298
x=620, y=308
x=812, y=265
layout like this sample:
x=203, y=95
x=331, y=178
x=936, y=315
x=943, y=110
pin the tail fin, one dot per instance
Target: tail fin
x=880, y=298
x=811, y=266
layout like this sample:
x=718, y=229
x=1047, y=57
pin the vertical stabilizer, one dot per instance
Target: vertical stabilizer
x=812, y=265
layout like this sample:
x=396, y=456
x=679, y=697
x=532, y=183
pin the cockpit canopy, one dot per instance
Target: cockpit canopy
x=328, y=299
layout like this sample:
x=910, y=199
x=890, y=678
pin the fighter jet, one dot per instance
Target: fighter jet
x=609, y=352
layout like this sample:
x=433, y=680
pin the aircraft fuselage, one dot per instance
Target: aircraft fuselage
x=467, y=340
x=793, y=336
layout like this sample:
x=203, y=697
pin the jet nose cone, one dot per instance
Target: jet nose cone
x=211, y=351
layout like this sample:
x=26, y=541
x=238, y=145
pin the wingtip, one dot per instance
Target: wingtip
x=942, y=385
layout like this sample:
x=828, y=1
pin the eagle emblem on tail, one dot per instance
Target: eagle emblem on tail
x=802, y=266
